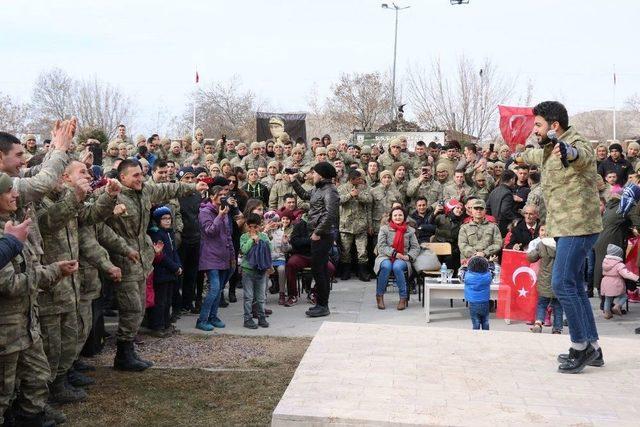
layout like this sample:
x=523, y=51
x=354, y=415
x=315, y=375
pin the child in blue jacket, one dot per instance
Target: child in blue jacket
x=165, y=273
x=477, y=291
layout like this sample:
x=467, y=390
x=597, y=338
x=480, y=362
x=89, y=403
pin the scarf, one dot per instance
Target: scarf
x=630, y=196
x=398, y=239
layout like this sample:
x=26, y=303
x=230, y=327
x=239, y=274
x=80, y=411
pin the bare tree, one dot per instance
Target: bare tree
x=13, y=115
x=223, y=108
x=465, y=101
x=359, y=101
x=633, y=102
x=100, y=105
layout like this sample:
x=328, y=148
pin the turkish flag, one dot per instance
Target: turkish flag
x=516, y=124
x=631, y=261
x=517, y=295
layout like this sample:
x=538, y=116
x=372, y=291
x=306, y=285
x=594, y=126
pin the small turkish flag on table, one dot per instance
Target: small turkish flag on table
x=517, y=294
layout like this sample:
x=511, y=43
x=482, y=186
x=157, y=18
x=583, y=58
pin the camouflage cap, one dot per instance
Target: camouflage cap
x=441, y=167
x=209, y=158
x=386, y=172
x=6, y=183
x=332, y=146
x=478, y=203
x=276, y=121
x=241, y=145
x=195, y=145
x=395, y=142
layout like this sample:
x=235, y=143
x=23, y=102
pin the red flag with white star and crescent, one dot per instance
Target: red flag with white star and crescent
x=517, y=295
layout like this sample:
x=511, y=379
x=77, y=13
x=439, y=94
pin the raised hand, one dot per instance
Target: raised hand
x=113, y=187
x=63, y=133
x=20, y=231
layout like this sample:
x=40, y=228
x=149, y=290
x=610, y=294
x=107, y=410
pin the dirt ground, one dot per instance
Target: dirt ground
x=196, y=381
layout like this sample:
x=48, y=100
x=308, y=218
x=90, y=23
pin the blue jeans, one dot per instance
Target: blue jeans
x=621, y=300
x=209, y=310
x=567, y=282
x=398, y=267
x=479, y=312
x=253, y=286
x=541, y=309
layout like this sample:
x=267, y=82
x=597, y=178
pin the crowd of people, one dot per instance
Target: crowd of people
x=155, y=229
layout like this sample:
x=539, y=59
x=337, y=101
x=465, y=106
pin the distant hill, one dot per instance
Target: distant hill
x=598, y=124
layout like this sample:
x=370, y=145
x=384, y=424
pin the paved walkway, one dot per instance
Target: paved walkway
x=355, y=374
x=353, y=301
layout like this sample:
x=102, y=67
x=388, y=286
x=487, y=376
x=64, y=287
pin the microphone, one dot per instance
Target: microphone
x=563, y=149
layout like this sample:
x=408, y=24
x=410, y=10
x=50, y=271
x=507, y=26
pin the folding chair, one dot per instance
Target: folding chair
x=440, y=249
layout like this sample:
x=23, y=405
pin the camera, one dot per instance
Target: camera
x=224, y=138
x=224, y=202
x=441, y=202
x=291, y=171
x=424, y=170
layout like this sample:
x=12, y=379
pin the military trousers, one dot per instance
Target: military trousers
x=30, y=369
x=85, y=321
x=60, y=341
x=348, y=240
x=131, y=297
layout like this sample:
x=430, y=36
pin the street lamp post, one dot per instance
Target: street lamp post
x=396, y=8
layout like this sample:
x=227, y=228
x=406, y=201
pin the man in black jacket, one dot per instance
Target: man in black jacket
x=526, y=230
x=500, y=203
x=324, y=218
x=616, y=163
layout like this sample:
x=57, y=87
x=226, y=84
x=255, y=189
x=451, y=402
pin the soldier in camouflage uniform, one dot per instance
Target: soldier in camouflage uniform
x=110, y=155
x=448, y=161
x=59, y=216
x=425, y=186
x=176, y=155
x=138, y=198
x=22, y=357
x=535, y=195
x=255, y=159
x=355, y=223
x=456, y=189
x=479, y=237
x=480, y=186
x=30, y=147
x=393, y=155
x=573, y=219
x=420, y=159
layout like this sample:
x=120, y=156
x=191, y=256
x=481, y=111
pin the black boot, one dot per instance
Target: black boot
x=33, y=420
x=578, y=360
x=62, y=392
x=223, y=302
x=81, y=366
x=140, y=359
x=124, y=360
x=346, y=271
x=363, y=273
x=76, y=379
x=232, y=295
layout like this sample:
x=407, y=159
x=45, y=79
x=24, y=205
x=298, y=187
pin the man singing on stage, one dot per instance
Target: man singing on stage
x=568, y=165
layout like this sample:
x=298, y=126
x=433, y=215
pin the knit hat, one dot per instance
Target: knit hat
x=6, y=183
x=386, y=172
x=366, y=149
x=195, y=145
x=321, y=150
x=30, y=136
x=396, y=166
x=633, y=145
x=615, y=146
x=175, y=144
x=271, y=216
x=440, y=167
x=197, y=171
x=274, y=164
x=220, y=180
x=241, y=145
x=160, y=212
x=479, y=264
x=255, y=145
x=332, y=146
x=614, y=250
x=185, y=170
x=325, y=170
x=209, y=158
x=112, y=145
x=395, y=142
x=140, y=138
x=501, y=164
x=224, y=162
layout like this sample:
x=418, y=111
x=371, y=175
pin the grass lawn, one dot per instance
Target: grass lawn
x=183, y=390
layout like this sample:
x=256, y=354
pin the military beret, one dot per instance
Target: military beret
x=6, y=183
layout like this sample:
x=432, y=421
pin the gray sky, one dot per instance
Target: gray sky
x=281, y=50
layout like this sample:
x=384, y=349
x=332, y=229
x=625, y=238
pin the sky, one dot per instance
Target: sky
x=284, y=50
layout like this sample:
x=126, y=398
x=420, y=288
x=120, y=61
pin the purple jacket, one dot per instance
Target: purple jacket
x=216, y=246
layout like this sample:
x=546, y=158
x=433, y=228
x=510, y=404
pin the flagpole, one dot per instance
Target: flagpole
x=193, y=124
x=614, y=102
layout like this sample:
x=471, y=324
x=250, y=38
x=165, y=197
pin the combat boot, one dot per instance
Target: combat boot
x=53, y=414
x=33, y=420
x=140, y=359
x=346, y=271
x=60, y=393
x=77, y=379
x=124, y=360
x=363, y=273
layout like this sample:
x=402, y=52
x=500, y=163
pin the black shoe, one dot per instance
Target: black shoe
x=346, y=272
x=250, y=324
x=124, y=360
x=76, y=379
x=318, y=311
x=580, y=359
x=638, y=330
x=23, y=419
x=363, y=273
x=223, y=302
x=262, y=322
x=81, y=366
x=232, y=297
x=598, y=362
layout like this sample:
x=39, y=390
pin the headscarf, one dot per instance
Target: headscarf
x=630, y=196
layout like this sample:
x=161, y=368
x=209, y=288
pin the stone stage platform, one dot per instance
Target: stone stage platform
x=366, y=374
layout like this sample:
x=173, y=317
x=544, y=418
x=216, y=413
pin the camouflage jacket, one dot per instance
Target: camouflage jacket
x=431, y=190
x=417, y=162
x=383, y=198
x=59, y=216
x=132, y=225
x=253, y=162
x=570, y=193
x=20, y=280
x=355, y=212
x=479, y=237
x=482, y=193
x=178, y=159
x=452, y=191
x=386, y=160
x=96, y=242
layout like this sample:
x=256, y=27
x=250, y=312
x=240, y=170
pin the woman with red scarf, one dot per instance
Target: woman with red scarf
x=397, y=248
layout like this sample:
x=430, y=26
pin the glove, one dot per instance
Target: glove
x=568, y=153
